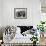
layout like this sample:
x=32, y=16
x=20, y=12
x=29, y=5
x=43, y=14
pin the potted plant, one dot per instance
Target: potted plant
x=34, y=39
x=41, y=27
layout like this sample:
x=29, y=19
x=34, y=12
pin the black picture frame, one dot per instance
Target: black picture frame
x=20, y=13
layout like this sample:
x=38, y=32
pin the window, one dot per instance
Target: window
x=43, y=10
x=43, y=6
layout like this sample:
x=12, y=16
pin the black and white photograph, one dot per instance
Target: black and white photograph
x=20, y=13
x=22, y=22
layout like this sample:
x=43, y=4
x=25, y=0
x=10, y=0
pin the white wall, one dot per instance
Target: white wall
x=0, y=12
x=33, y=12
x=36, y=7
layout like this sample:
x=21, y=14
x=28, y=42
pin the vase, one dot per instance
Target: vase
x=42, y=34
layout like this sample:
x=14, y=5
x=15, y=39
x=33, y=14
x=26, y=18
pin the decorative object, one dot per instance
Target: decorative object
x=20, y=13
x=9, y=33
x=41, y=27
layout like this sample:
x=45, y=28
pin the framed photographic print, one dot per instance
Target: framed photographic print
x=20, y=13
